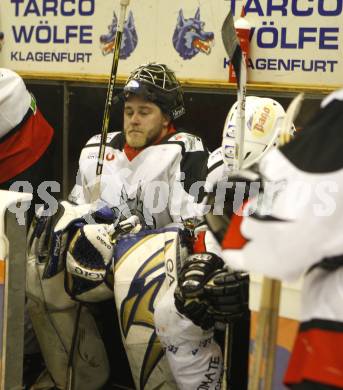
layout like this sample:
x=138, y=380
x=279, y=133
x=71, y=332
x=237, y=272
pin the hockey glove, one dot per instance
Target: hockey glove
x=90, y=251
x=89, y=259
x=49, y=234
x=228, y=196
x=120, y=224
x=88, y=262
x=189, y=294
x=227, y=293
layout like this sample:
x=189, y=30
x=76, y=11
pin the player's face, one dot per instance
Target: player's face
x=144, y=122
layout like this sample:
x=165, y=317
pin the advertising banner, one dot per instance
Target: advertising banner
x=291, y=41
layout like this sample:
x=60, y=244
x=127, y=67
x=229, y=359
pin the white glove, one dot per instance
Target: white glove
x=89, y=259
x=89, y=254
x=48, y=235
x=90, y=251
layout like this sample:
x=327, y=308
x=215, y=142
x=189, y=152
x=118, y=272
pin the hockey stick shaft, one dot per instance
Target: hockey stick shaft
x=110, y=88
x=241, y=97
x=233, y=49
x=228, y=340
x=271, y=335
x=265, y=340
x=70, y=368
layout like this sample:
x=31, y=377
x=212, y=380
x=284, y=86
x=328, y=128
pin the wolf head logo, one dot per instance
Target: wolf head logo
x=129, y=37
x=189, y=37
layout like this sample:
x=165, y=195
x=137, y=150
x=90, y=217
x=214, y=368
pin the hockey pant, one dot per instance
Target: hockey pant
x=53, y=315
x=193, y=355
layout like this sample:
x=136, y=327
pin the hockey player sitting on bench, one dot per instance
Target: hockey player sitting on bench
x=71, y=252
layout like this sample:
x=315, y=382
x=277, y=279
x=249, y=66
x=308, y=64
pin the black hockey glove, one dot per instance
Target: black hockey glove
x=229, y=193
x=189, y=294
x=227, y=293
x=228, y=197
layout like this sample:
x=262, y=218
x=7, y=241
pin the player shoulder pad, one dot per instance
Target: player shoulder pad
x=90, y=151
x=95, y=139
x=190, y=142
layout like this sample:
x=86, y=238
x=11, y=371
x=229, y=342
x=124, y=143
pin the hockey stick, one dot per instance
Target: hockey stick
x=70, y=367
x=108, y=104
x=234, y=52
x=266, y=334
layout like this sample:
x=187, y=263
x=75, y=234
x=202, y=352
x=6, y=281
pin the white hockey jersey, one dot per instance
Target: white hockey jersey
x=164, y=182
x=299, y=232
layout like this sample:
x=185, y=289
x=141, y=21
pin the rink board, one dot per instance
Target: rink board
x=12, y=290
x=287, y=330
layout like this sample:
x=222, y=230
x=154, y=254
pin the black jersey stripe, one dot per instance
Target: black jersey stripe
x=318, y=147
x=214, y=166
x=266, y=218
x=317, y=323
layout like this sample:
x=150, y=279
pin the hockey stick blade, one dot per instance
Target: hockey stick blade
x=232, y=45
x=291, y=113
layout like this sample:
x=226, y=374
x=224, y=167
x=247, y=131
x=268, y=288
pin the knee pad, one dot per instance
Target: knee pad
x=53, y=315
x=48, y=292
x=139, y=283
